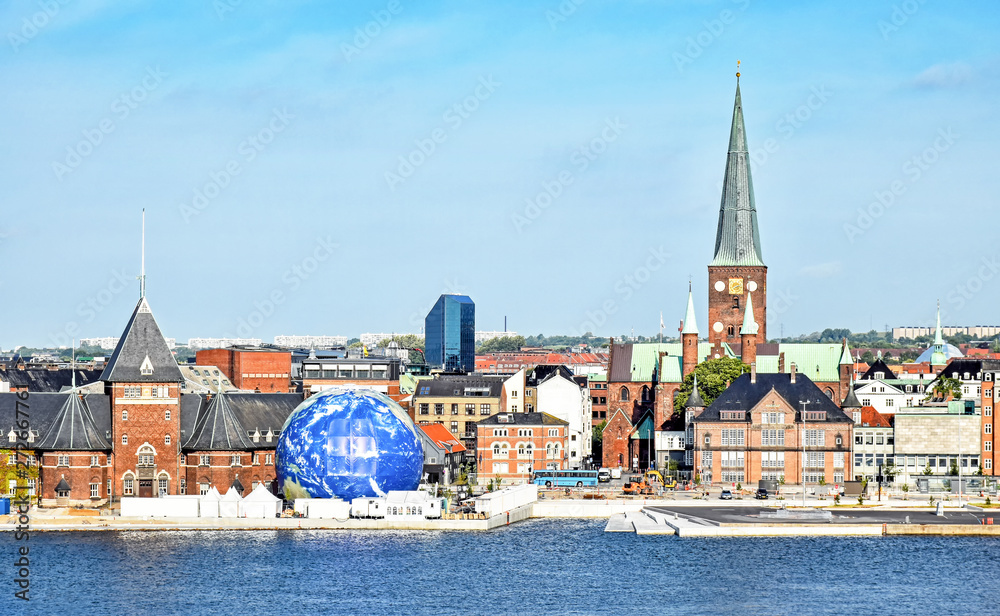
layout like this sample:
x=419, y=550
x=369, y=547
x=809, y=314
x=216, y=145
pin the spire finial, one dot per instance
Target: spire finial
x=737, y=72
x=142, y=268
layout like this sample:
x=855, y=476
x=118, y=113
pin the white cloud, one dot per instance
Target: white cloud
x=944, y=76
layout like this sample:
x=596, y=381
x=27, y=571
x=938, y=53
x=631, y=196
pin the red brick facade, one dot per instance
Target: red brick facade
x=726, y=306
x=504, y=452
x=145, y=416
x=251, y=369
x=204, y=469
x=80, y=469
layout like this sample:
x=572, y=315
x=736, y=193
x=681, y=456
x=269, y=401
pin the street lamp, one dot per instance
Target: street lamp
x=804, y=403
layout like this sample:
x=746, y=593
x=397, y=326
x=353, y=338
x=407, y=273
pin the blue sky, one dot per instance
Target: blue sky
x=331, y=168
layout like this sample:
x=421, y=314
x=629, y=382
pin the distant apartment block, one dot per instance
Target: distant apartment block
x=307, y=342
x=371, y=340
x=482, y=337
x=976, y=331
x=221, y=343
x=110, y=342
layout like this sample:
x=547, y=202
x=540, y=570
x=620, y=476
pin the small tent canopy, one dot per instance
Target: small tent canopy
x=231, y=505
x=261, y=503
x=210, y=503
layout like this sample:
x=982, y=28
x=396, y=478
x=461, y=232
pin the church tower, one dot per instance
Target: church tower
x=737, y=268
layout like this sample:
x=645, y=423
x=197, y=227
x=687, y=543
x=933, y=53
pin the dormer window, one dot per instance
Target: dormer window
x=146, y=368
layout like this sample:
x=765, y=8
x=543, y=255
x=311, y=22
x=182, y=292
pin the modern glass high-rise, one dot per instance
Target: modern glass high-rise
x=450, y=334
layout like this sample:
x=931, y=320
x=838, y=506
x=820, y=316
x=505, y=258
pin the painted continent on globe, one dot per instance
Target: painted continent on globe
x=348, y=443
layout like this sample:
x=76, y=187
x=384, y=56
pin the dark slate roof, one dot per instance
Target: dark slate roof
x=218, y=429
x=620, y=368
x=737, y=241
x=44, y=380
x=62, y=486
x=456, y=386
x=74, y=428
x=190, y=405
x=743, y=395
x=236, y=484
x=972, y=366
x=694, y=400
x=523, y=419
x=46, y=409
x=142, y=339
x=878, y=366
x=542, y=372
x=851, y=400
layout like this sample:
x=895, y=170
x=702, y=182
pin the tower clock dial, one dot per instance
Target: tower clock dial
x=736, y=286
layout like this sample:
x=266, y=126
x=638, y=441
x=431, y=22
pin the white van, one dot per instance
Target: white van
x=604, y=475
x=616, y=473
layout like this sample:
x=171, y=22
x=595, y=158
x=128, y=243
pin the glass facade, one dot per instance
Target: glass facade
x=450, y=334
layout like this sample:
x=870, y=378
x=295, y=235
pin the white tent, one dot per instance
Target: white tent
x=261, y=503
x=231, y=505
x=210, y=503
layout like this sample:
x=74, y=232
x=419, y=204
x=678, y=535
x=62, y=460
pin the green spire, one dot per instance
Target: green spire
x=749, y=325
x=938, y=357
x=690, y=325
x=845, y=355
x=737, y=241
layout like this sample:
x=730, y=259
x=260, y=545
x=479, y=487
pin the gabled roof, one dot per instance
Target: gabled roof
x=443, y=438
x=878, y=366
x=743, y=395
x=73, y=428
x=522, y=419
x=636, y=362
x=218, y=429
x=47, y=412
x=871, y=418
x=44, y=380
x=142, y=344
x=450, y=386
x=737, y=241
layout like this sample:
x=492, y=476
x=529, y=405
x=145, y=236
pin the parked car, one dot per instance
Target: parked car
x=604, y=475
x=761, y=494
x=726, y=494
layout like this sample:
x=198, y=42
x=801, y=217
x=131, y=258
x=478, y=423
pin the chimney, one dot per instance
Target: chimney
x=753, y=373
x=781, y=362
x=793, y=373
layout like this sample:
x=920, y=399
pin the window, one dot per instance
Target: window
x=731, y=331
x=424, y=409
x=772, y=438
x=706, y=460
x=987, y=445
x=732, y=459
x=184, y=486
x=146, y=459
x=553, y=431
x=166, y=415
x=988, y=428
x=454, y=409
x=988, y=411
x=879, y=439
x=162, y=485
x=63, y=460
x=95, y=490
x=888, y=401
x=513, y=408
x=203, y=488
x=513, y=393
x=732, y=438
x=439, y=409
x=732, y=415
x=708, y=440
x=815, y=459
x=256, y=459
x=166, y=439
x=203, y=460
x=866, y=402
x=124, y=439
x=501, y=468
x=772, y=459
x=127, y=486
x=484, y=409
x=269, y=458
x=124, y=415
x=859, y=439
x=236, y=460
x=815, y=438
x=772, y=418
x=95, y=460
x=470, y=409
x=454, y=427
x=623, y=394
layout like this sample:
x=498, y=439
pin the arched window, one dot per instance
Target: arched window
x=829, y=393
x=645, y=393
x=496, y=450
x=124, y=415
x=731, y=331
x=146, y=456
x=548, y=451
x=623, y=394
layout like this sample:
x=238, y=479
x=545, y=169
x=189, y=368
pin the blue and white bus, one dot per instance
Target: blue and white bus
x=552, y=479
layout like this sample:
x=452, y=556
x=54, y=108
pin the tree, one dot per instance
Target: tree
x=945, y=386
x=953, y=469
x=868, y=357
x=597, y=440
x=504, y=344
x=404, y=341
x=713, y=376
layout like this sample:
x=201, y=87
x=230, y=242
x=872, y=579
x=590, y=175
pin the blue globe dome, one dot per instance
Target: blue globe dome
x=348, y=443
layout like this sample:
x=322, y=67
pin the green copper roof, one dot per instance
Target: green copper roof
x=749, y=325
x=938, y=357
x=690, y=324
x=845, y=356
x=737, y=241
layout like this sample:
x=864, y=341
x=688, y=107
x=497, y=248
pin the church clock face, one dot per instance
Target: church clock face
x=720, y=286
x=736, y=286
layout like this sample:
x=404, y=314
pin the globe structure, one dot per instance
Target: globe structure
x=348, y=443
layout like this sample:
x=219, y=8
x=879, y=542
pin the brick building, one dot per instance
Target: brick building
x=457, y=402
x=763, y=425
x=263, y=370
x=513, y=445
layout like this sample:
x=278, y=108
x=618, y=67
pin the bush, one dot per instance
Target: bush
x=861, y=499
x=836, y=499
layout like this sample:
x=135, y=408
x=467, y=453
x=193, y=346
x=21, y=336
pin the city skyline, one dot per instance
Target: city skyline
x=343, y=141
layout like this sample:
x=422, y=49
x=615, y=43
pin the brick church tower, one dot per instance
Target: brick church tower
x=143, y=382
x=737, y=267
